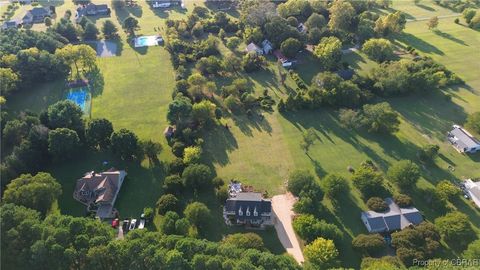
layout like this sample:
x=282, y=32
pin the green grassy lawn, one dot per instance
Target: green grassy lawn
x=262, y=151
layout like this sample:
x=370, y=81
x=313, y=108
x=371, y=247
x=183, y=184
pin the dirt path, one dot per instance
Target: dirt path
x=428, y=18
x=282, y=207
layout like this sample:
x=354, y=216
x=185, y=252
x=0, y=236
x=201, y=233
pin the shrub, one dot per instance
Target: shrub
x=428, y=152
x=173, y=184
x=370, y=244
x=405, y=173
x=167, y=202
x=377, y=204
x=402, y=200
x=447, y=190
x=455, y=229
x=335, y=185
x=379, y=50
x=192, y=154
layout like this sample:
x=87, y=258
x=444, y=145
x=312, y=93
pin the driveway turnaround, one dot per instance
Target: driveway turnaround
x=282, y=207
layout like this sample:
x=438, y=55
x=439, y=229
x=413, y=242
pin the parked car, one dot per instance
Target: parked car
x=115, y=223
x=125, y=225
x=133, y=223
x=141, y=225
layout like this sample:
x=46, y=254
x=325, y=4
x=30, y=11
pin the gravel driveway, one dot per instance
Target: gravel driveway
x=282, y=208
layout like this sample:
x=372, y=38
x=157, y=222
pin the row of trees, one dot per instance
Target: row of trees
x=63, y=242
x=58, y=134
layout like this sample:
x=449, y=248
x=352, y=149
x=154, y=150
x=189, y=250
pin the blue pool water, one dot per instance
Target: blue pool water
x=79, y=96
x=142, y=41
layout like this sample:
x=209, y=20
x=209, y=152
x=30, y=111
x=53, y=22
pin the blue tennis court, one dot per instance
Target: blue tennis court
x=81, y=97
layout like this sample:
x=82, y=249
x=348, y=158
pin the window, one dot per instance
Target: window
x=255, y=213
x=248, y=211
x=240, y=212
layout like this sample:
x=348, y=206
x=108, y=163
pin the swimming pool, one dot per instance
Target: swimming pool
x=144, y=41
x=81, y=97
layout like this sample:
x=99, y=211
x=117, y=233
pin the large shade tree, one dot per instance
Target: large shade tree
x=63, y=143
x=124, y=144
x=38, y=192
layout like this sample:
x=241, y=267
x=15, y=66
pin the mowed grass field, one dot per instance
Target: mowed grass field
x=262, y=151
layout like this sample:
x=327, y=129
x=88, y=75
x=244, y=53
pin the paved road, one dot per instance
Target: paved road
x=282, y=207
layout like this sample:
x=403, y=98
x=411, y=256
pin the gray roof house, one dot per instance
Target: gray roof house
x=462, y=140
x=252, y=47
x=36, y=15
x=394, y=219
x=10, y=24
x=267, y=46
x=98, y=191
x=92, y=9
x=248, y=208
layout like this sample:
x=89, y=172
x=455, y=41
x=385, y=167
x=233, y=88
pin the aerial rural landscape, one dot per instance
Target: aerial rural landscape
x=246, y=134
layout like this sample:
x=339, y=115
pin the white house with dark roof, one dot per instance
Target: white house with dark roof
x=98, y=191
x=248, y=208
x=463, y=141
x=394, y=219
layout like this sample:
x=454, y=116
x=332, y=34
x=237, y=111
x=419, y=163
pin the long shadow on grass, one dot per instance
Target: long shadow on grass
x=326, y=124
x=418, y=43
x=247, y=124
x=449, y=37
x=424, y=7
x=432, y=115
x=218, y=141
x=346, y=215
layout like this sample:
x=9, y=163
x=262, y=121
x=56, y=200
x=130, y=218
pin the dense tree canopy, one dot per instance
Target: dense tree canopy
x=36, y=192
x=368, y=181
x=420, y=242
x=380, y=117
x=328, y=52
x=378, y=49
x=98, y=132
x=63, y=143
x=244, y=240
x=321, y=253
x=197, y=176
x=124, y=144
x=335, y=186
x=342, y=14
x=197, y=213
x=290, y=47
x=455, y=229
x=309, y=228
x=405, y=173
x=66, y=114
x=370, y=244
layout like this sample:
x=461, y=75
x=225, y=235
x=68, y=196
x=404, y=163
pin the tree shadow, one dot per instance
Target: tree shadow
x=346, y=215
x=418, y=43
x=420, y=5
x=247, y=123
x=96, y=82
x=449, y=37
x=433, y=114
x=218, y=142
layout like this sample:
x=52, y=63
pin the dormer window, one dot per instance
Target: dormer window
x=240, y=212
x=255, y=213
x=248, y=211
